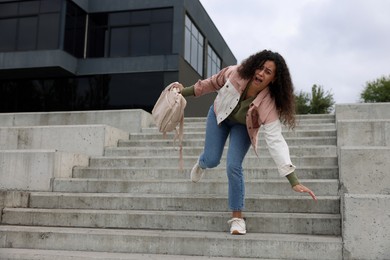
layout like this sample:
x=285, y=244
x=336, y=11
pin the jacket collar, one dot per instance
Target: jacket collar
x=260, y=97
x=237, y=81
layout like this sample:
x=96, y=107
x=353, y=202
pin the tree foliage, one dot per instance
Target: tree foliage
x=377, y=90
x=316, y=102
x=302, y=103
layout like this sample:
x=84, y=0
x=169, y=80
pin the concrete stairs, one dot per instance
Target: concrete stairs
x=135, y=203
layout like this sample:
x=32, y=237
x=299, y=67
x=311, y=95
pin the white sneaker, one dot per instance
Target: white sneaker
x=197, y=173
x=237, y=226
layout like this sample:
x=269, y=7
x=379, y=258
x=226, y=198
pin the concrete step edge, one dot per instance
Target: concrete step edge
x=39, y=254
x=191, y=157
x=226, y=214
x=283, y=223
x=309, y=146
x=288, y=203
x=192, y=131
x=192, y=234
x=171, y=196
x=202, y=139
x=175, y=168
x=169, y=172
x=174, y=242
x=176, y=181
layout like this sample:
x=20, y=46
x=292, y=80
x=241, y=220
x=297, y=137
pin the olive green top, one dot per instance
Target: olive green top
x=238, y=114
x=189, y=91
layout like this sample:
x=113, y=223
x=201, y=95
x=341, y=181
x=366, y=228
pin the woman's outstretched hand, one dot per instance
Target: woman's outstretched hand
x=302, y=188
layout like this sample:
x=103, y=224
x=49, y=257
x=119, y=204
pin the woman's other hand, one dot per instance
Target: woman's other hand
x=302, y=188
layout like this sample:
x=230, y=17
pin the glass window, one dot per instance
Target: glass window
x=48, y=31
x=193, y=46
x=119, y=42
x=122, y=18
x=75, y=25
x=97, y=42
x=130, y=33
x=115, y=91
x=8, y=9
x=124, y=94
x=32, y=24
x=133, y=33
x=97, y=34
x=161, y=38
x=27, y=33
x=49, y=6
x=139, y=41
x=200, y=60
x=188, y=22
x=30, y=7
x=140, y=17
x=8, y=29
x=130, y=41
x=213, y=62
x=194, y=52
x=99, y=19
x=96, y=92
x=187, y=45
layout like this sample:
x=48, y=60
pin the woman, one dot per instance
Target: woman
x=257, y=92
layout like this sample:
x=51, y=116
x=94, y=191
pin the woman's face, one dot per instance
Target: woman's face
x=264, y=75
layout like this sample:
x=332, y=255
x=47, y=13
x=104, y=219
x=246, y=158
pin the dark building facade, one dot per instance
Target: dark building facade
x=67, y=55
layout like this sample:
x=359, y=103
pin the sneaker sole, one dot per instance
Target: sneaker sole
x=236, y=232
x=195, y=181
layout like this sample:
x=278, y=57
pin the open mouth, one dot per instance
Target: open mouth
x=257, y=79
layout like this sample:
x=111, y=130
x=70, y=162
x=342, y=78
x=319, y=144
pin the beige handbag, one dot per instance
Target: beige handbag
x=168, y=114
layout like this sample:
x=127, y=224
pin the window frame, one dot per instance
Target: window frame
x=194, y=42
x=133, y=23
x=214, y=62
x=22, y=12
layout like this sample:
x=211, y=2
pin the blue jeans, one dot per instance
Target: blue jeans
x=239, y=143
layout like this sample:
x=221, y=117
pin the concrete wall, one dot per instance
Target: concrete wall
x=84, y=139
x=34, y=170
x=364, y=152
x=369, y=132
x=126, y=120
x=362, y=111
x=366, y=228
x=365, y=169
x=37, y=147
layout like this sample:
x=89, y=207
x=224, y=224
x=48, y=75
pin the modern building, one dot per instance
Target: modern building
x=67, y=55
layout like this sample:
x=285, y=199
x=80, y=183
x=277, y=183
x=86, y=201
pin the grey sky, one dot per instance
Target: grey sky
x=338, y=44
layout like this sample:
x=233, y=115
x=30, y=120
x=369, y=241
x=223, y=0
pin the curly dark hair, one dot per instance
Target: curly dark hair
x=282, y=89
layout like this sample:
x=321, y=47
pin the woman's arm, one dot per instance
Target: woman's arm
x=278, y=148
x=209, y=85
x=280, y=153
x=214, y=83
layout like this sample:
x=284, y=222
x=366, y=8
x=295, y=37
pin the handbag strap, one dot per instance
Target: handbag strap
x=179, y=135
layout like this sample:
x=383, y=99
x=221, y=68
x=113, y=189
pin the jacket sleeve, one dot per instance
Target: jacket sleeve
x=212, y=84
x=278, y=147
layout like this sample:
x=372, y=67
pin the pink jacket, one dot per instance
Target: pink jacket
x=262, y=111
